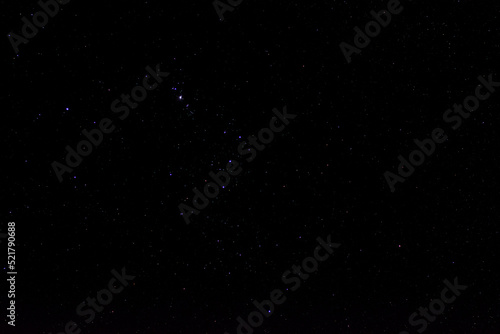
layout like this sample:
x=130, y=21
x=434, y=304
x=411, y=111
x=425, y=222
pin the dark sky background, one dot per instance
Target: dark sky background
x=322, y=175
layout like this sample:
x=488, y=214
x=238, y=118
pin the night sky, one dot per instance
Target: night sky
x=321, y=176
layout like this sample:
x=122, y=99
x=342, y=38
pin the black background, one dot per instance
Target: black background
x=322, y=175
